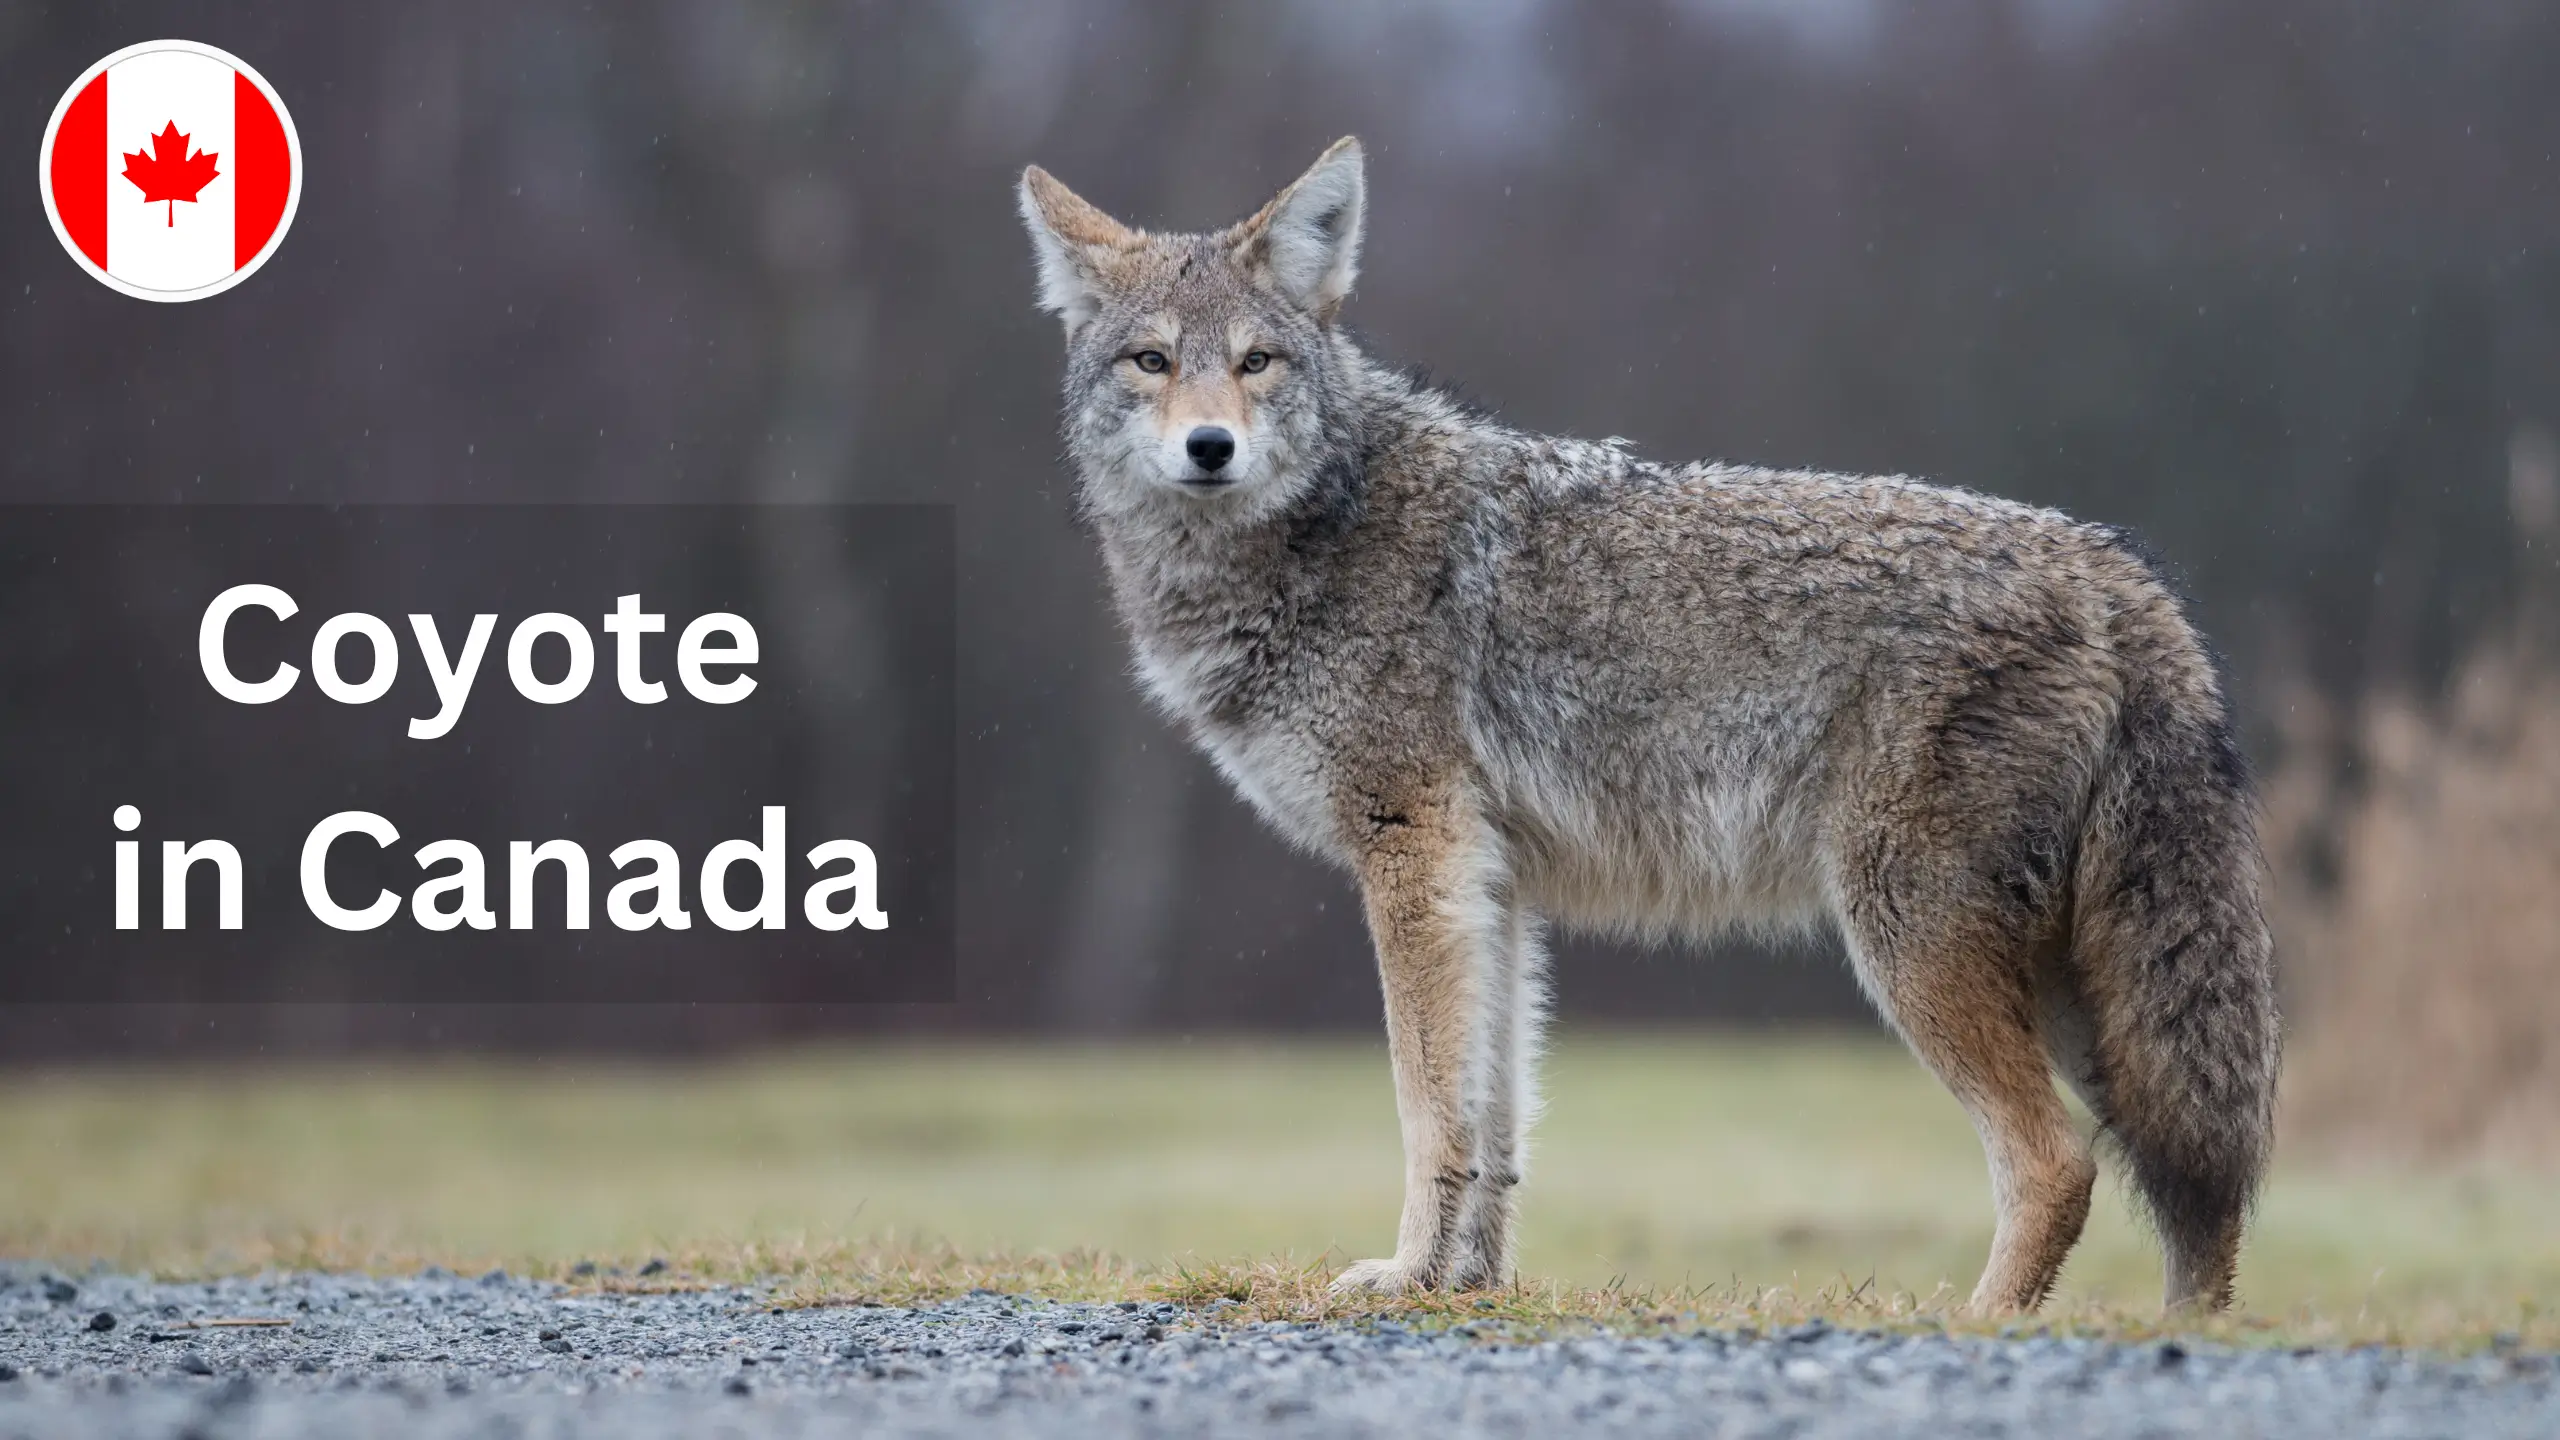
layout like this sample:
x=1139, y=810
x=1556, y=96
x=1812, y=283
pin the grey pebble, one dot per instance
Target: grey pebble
x=514, y=1356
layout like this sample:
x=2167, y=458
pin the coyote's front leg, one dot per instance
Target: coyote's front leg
x=1432, y=879
x=1503, y=1098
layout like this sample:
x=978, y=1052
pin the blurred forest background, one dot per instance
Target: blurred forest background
x=2275, y=283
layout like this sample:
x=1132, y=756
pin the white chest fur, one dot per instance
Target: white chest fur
x=1277, y=767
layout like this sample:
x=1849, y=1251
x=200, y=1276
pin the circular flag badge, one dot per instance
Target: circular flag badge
x=171, y=170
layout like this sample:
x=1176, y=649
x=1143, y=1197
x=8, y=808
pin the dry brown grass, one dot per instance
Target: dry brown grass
x=2425, y=961
x=889, y=1271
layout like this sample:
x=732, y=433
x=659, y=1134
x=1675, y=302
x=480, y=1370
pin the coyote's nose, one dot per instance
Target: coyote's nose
x=1210, y=446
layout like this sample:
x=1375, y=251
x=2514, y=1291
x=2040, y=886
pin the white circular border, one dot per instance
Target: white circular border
x=292, y=195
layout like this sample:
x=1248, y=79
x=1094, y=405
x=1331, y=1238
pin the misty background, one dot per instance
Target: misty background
x=2276, y=284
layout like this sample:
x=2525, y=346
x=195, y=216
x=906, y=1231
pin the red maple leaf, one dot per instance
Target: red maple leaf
x=168, y=173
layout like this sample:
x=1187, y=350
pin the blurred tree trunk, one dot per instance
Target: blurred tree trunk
x=1120, y=926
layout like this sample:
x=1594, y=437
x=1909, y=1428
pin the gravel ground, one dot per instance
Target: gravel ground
x=441, y=1355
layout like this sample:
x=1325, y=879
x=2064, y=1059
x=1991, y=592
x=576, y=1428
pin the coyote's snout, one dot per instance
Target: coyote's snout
x=1506, y=678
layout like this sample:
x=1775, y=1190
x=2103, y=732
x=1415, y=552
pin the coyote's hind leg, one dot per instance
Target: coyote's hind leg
x=1956, y=983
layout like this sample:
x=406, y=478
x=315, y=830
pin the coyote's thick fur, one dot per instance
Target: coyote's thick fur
x=1506, y=678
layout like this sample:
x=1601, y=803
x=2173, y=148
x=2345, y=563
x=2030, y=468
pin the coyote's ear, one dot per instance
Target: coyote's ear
x=1072, y=241
x=1306, y=243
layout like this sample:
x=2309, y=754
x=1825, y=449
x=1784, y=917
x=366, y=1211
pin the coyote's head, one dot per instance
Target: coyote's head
x=1201, y=369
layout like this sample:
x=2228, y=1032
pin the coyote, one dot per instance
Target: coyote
x=1510, y=679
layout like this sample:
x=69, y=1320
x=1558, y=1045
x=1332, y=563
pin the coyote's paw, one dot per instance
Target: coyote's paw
x=1375, y=1277
x=1472, y=1270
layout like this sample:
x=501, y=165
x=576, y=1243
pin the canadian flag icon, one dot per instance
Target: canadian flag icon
x=171, y=170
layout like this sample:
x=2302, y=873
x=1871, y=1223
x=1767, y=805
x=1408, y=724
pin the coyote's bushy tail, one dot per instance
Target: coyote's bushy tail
x=2173, y=955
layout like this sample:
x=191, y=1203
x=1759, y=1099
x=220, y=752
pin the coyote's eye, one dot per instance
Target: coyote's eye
x=1151, y=361
x=1257, y=361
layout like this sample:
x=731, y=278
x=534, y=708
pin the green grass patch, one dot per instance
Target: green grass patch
x=1709, y=1179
